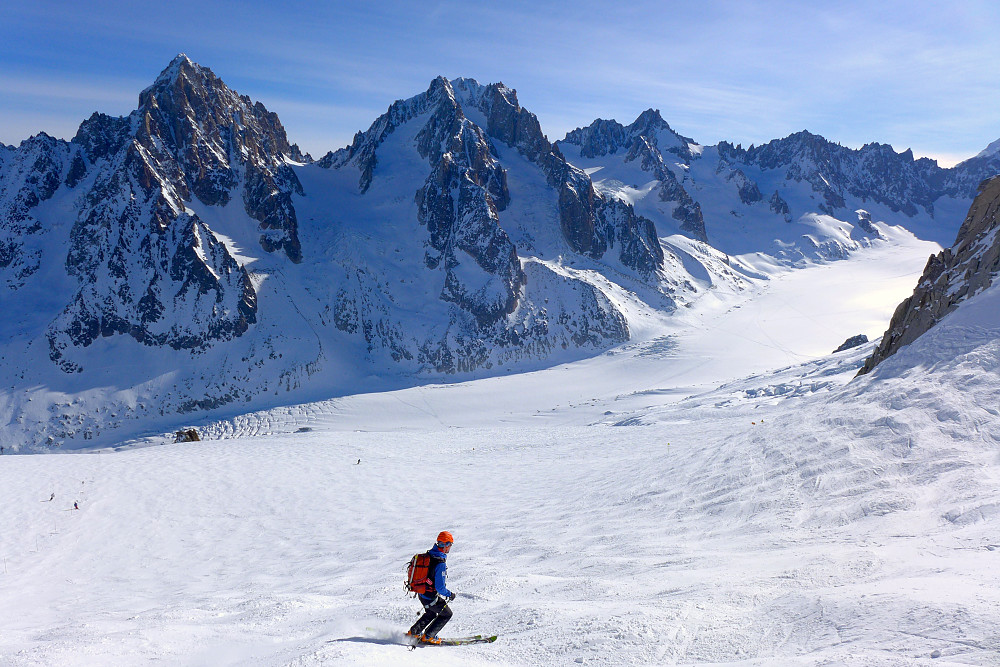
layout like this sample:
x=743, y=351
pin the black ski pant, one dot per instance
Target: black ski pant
x=437, y=613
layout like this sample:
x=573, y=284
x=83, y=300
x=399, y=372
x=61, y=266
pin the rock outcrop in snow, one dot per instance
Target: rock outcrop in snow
x=950, y=277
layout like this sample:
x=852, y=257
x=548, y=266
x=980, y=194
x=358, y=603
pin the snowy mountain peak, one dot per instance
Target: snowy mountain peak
x=650, y=145
x=144, y=263
x=649, y=124
x=178, y=68
x=604, y=137
x=599, y=138
x=445, y=129
x=440, y=91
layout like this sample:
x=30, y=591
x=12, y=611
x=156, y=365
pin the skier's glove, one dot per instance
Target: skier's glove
x=451, y=597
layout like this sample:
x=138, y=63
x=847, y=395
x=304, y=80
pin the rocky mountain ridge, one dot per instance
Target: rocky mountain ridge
x=179, y=227
x=779, y=181
x=650, y=142
x=188, y=257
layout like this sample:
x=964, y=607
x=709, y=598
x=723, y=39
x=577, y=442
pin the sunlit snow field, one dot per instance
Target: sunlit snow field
x=713, y=492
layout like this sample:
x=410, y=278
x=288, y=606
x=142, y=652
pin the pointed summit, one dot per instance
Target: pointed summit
x=650, y=124
x=175, y=69
x=180, y=74
x=440, y=88
x=649, y=120
x=223, y=144
x=179, y=60
x=599, y=138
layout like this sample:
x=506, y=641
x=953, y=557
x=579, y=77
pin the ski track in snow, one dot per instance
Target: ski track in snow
x=672, y=502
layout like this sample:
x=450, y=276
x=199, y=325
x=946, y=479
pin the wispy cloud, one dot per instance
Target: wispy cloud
x=911, y=74
x=57, y=105
x=114, y=92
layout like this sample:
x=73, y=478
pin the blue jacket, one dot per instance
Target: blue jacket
x=439, y=575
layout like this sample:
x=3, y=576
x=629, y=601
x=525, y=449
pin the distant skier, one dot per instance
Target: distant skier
x=52, y=497
x=75, y=506
x=436, y=596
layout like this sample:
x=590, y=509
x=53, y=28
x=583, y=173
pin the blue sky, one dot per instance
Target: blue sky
x=917, y=74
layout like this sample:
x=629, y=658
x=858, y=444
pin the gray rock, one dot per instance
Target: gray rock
x=853, y=341
x=780, y=206
x=866, y=224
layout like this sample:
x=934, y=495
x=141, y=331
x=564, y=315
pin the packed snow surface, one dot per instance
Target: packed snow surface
x=715, y=492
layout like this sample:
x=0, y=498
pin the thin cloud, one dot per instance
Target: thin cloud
x=722, y=69
x=109, y=93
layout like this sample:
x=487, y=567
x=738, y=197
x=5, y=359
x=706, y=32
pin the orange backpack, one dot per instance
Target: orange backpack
x=418, y=575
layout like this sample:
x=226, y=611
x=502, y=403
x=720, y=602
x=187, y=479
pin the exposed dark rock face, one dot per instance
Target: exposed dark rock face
x=29, y=175
x=852, y=342
x=874, y=173
x=950, y=277
x=780, y=206
x=102, y=136
x=146, y=265
x=603, y=137
x=590, y=223
x=460, y=204
x=866, y=224
x=156, y=275
x=747, y=189
x=189, y=117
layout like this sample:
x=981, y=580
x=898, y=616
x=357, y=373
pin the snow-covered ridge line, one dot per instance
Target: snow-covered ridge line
x=188, y=259
x=704, y=188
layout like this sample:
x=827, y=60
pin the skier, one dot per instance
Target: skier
x=436, y=611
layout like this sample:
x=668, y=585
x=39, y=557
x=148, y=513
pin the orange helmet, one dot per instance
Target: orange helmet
x=444, y=537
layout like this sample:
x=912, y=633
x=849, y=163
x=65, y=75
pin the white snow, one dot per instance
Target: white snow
x=715, y=491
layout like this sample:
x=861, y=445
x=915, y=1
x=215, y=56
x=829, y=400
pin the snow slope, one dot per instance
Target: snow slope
x=650, y=506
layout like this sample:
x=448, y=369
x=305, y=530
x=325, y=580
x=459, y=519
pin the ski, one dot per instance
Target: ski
x=413, y=642
x=462, y=641
x=468, y=640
